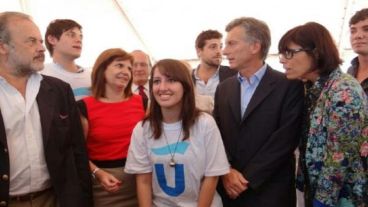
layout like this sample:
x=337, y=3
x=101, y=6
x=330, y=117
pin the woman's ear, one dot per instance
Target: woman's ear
x=315, y=54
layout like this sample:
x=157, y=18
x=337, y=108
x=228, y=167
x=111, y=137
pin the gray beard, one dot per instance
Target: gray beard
x=22, y=71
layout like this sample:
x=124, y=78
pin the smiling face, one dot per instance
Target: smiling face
x=118, y=74
x=359, y=37
x=69, y=44
x=167, y=92
x=299, y=66
x=25, y=52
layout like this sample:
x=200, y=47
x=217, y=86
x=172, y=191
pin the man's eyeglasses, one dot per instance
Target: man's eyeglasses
x=289, y=53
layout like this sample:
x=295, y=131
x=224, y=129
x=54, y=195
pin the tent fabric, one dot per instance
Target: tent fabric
x=168, y=28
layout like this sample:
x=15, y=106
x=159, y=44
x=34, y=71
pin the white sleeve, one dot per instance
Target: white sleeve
x=138, y=161
x=216, y=160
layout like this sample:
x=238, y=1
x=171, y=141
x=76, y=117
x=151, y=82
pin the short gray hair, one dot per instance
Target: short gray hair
x=256, y=30
x=5, y=17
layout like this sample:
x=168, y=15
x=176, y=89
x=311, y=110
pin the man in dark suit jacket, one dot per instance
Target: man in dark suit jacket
x=258, y=113
x=141, y=71
x=209, y=72
x=42, y=150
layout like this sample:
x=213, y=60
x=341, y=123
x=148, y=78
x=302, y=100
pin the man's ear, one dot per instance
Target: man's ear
x=198, y=50
x=52, y=39
x=4, y=48
x=255, y=47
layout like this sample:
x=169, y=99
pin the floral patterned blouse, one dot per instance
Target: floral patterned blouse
x=338, y=130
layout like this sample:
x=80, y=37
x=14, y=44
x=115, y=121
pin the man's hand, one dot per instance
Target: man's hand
x=234, y=183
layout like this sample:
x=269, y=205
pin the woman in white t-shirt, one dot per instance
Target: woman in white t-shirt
x=176, y=152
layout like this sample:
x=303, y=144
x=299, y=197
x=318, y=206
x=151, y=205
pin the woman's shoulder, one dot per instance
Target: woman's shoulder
x=343, y=90
x=142, y=126
x=339, y=80
x=89, y=100
x=205, y=119
x=347, y=85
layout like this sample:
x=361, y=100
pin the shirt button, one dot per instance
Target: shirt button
x=5, y=150
x=2, y=203
x=5, y=177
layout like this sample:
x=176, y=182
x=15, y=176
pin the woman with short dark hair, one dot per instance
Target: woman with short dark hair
x=335, y=119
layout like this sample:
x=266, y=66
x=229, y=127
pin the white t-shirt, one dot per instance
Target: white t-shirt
x=202, y=154
x=80, y=82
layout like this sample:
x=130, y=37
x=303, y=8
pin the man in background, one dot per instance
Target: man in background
x=141, y=71
x=209, y=72
x=359, y=65
x=63, y=40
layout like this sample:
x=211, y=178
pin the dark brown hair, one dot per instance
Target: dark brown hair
x=359, y=16
x=319, y=44
x=206, y=35
x=189, y=113
x=99, y=68
x=56, y=28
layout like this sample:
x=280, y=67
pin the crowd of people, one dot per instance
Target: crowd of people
x=131, y=133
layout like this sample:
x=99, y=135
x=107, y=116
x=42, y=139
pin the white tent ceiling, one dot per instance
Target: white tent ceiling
x=168, y=28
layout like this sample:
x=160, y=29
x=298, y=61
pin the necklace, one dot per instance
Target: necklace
x=172, y=162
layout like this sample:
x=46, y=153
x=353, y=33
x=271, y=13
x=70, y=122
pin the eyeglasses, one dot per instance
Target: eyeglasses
x=289, y=53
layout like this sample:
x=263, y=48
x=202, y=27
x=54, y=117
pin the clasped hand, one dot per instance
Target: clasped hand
x=234, y=183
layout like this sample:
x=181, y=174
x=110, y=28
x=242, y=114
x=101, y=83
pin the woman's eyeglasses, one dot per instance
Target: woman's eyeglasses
x=289, y=53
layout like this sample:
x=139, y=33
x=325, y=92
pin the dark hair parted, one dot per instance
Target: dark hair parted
x=255, y=30
x=100, y=66
x=359, y=16
x=189, y=113
x=318, y=40
x=206, y=35
x=56, y=28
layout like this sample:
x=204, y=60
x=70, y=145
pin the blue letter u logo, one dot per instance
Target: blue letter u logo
x=179, y=180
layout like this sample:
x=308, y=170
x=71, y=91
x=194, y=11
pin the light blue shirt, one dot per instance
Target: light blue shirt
x=249, y=86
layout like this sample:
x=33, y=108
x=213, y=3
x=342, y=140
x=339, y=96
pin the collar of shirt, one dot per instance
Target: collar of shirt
x=135, y=88
x=248, y=87
x=353, y=69
x=33, y=78
x=59, y=67
x=214, y=75
x=255, y=78
x=32, y=88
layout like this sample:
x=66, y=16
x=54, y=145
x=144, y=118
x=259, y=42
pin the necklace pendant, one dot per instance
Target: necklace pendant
x=172, y=162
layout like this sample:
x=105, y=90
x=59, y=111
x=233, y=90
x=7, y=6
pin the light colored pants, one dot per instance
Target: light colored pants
x=46, y=199
x=125, y=197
